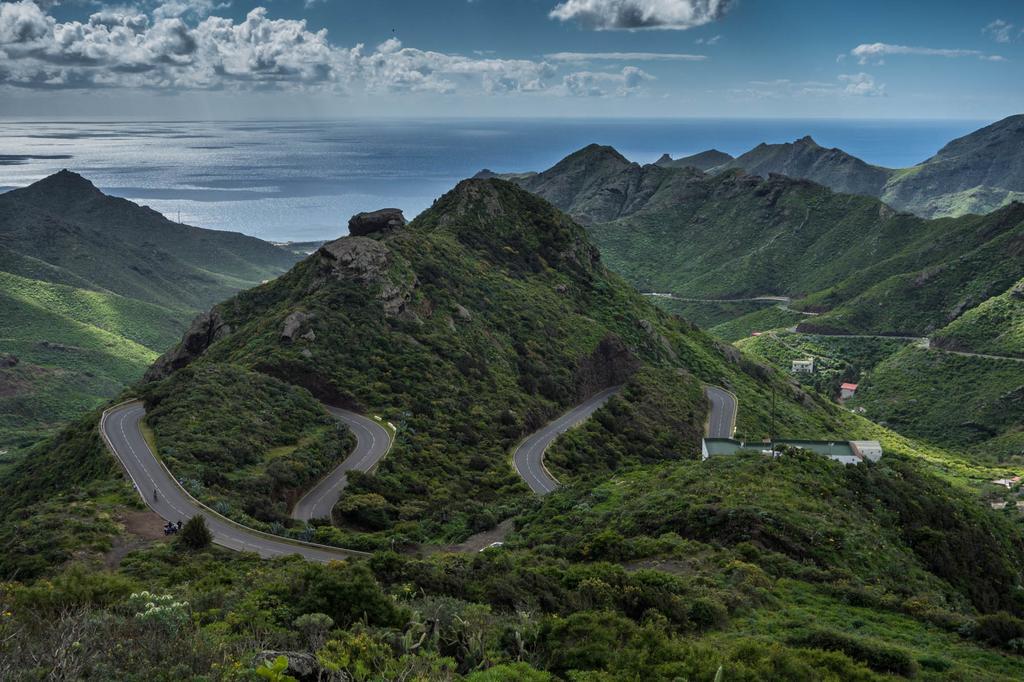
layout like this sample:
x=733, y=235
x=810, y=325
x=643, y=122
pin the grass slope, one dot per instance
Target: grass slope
x=968, y=403
x=996, y=327
x=93, y=288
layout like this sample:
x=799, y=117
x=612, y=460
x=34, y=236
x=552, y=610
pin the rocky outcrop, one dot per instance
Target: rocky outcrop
x=205, y=330
x=368, y=261
x=662, y=343
x=293, y=323
x=610, y=364
x=362, y=224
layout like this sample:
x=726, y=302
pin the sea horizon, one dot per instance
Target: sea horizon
x=300, y=179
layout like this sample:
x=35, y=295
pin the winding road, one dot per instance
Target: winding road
x=120, y=427
x=722, y=416
x=372, y=442
x=528, y=458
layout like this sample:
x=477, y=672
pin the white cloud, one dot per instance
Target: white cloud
x=392, y=67
x=624, y=56
x=601, y=84
x=875, y=53
x=603, y=15
x=175, y=45
x=1000, y=30
x=862, y=85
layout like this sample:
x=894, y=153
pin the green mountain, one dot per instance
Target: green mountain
x=973, y=174
x=806, y=160
x=857, y=263
x=93, y=288
x=468, y=328
x=595, y=184
x=850, y=264
x=977, y=173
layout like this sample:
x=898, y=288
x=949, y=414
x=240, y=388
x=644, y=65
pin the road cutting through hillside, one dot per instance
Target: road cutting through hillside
x=528, y=458
x=120, y=427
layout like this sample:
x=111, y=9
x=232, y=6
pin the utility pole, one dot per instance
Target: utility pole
x=771, y=434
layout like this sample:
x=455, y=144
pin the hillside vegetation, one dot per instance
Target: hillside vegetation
x=468, y=328
x=976, y=173
x=93, y=289
x=850, y=264
x=482, y=319
x=996, y=327
x=910, y=392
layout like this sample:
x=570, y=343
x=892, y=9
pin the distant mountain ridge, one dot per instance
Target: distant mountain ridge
x=704, y=161
x=733, y=235
x=93, y=288
x=807, y=160
x=977, y=173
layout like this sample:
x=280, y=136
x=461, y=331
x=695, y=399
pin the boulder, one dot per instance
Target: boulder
x=204, y=331
x=362, y=224
x=359, y=259
x=292, y=324
x=8, y=360
x=659, y=339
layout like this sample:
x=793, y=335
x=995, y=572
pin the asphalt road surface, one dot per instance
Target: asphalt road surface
x=529, y=456
x=120, y=428
x=722, y=419
x=372, y=443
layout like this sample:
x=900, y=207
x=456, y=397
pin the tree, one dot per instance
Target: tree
x=196, y=534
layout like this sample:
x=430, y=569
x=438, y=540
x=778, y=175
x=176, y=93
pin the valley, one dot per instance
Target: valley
x=475, y=407
x=92, y=290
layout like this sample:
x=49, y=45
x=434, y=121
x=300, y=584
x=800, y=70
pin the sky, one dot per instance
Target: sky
x=229, y=59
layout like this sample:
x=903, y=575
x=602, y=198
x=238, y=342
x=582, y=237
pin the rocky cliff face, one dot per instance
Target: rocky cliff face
x=371, y=263
x=204, y=331
x=610, y=364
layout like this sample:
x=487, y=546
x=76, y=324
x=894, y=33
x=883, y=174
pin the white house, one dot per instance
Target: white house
x=847, y=391
x=803, y=366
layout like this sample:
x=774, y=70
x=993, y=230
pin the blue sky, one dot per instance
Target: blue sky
x=545, y=58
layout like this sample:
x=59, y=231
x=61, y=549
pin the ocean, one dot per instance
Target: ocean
x=302, y=180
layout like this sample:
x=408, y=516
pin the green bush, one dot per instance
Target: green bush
x=879, y=658
x=195, y=534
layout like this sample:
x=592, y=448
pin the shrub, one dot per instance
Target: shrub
x=879, y=658
x=196, y=535
x=999, y=629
